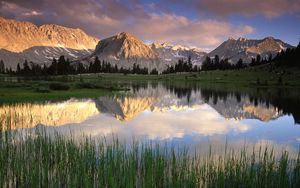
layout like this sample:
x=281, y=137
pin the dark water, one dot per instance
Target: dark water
x=180, y=113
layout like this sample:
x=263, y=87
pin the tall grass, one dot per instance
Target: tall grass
x=42, y=161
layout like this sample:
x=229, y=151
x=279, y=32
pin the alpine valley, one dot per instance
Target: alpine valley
x=40, y=44
x=147, y=93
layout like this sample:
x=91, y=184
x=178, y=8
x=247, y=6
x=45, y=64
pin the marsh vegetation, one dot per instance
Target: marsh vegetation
x=40, y=160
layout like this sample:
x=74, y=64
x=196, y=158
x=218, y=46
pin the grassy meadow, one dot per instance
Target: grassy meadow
x=18, y=89
x=260, y=76
x=31, y=90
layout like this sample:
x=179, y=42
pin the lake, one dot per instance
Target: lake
x=180, y=114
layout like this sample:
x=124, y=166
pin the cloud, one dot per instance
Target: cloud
x=267, y=8
x=104, y=18
x=178, y=29
x=11, y=10
x=32, y=13
x=199, y=121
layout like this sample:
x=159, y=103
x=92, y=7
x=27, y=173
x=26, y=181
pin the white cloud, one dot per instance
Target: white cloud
x=111, y=17
x=178, y=29
x=200, y=120
x=170, y=28
x=32, y=13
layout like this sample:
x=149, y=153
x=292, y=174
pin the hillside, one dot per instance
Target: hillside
x=24, y=40
x=246, y=49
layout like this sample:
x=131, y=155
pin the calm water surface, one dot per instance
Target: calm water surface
x=179, y=114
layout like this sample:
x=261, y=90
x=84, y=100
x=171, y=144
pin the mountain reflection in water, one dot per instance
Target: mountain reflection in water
x=27, y=115
x=160, y=99
x=160, y=112
x=154, y=98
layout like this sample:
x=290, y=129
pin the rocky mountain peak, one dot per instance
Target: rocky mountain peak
x=17, y=36
x=180, y=47
x=241, y=39
x=125, y=35
x=247, y=49
x=269, y=38
x=156, y=45
x=124, y=46
x=231, y=39
x=268, y=45
x=20, y=41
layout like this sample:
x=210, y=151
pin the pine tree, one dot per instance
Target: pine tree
x=258, y=59
x=154, y=72
x=97, y=65
x=18, y=69
x=61, y=65
x=2, y=67
x=270, y=57
x=240, y=64
x=90, y=69
x=26, y=68
x=207, y=64
x=52, y=70
x=80, y=68
x=217, y=62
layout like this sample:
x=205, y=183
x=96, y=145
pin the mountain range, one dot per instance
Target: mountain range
x=20, y=41
x=40, y=44
x=246, y=49
x=172, y=53
x=124, y=50
x=159, y=99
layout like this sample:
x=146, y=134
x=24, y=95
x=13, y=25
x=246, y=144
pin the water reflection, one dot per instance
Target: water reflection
x=154, y=99
x=162, y=99
x=182, y=114
x=231, y=107
x=54, y=114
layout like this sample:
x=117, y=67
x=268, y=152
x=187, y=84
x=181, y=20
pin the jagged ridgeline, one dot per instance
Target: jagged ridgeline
x=125, y=50
x=20, y=41
x=247, y=49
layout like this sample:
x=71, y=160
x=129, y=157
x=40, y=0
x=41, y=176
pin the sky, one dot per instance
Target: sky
x=204, y=24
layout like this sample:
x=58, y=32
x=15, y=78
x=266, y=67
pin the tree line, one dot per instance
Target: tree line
x=224, y=64
x=62, y=66
x=182, y=66
x=289, y=57
x=2, y=67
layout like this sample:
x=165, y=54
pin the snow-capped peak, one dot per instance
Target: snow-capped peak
x=180, y=47
x=241, y=39
x=170, y=46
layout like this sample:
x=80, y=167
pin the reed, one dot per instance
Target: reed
x=38, y=160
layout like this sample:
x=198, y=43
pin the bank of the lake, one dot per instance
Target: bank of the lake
x=100, y=84
x=260, y=76
x=29, y=158
x=55, y=90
